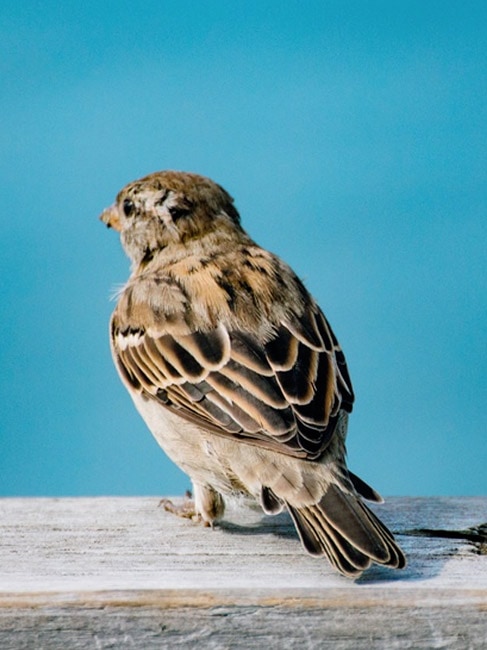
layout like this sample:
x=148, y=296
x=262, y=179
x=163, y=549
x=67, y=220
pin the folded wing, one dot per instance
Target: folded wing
x=283, y=393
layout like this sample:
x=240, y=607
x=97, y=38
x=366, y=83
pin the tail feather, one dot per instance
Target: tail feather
x=342, y=555
x=398, y=559
x=354, y=555
x=345, y=513
x=309, y=536
x=341, y=527
x=342, y=564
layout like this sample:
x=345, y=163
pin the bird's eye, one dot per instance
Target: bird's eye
x=178, y=211
x=128, y=207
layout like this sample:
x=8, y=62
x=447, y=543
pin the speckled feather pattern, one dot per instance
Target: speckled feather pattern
x=236, y=370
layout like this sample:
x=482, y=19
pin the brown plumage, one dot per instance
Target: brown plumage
x=236, y=370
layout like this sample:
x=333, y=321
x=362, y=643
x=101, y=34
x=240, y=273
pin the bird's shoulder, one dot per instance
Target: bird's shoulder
x=242, y=286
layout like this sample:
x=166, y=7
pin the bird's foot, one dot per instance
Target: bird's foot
x=186, y=509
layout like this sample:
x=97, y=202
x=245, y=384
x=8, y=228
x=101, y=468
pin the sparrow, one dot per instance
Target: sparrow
x=236, y=371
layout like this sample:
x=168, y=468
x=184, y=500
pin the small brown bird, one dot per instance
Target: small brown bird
x=236, y=370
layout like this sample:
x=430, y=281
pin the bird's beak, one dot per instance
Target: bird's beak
x=109, y=216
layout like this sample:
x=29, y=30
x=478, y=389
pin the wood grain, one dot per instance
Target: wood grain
x=123, y=573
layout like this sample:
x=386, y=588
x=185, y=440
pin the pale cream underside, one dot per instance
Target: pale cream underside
x=232, y=466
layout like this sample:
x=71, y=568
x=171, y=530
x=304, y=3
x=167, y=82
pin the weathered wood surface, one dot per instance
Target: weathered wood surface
x=123, y=573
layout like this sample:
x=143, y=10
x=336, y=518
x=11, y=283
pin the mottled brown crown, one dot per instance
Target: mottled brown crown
x=169, y=207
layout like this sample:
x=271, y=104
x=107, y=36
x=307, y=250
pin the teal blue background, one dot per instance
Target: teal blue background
x=353, y=138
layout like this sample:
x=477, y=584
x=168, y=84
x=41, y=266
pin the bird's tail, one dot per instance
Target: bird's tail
x=345, y=530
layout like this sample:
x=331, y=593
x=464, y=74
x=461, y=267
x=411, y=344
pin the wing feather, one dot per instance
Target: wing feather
x=246, y=352
x=179, y=358
x=299, y=382
x=274, y=421
x=262, y=387
x=282, y=393
x=282, y=350
x=210, y=349
x=306, y=331
x=135, y=371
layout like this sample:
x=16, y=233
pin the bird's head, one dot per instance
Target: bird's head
x=169, y=208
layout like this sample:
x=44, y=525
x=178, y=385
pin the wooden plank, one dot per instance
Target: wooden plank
x=123, y=573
